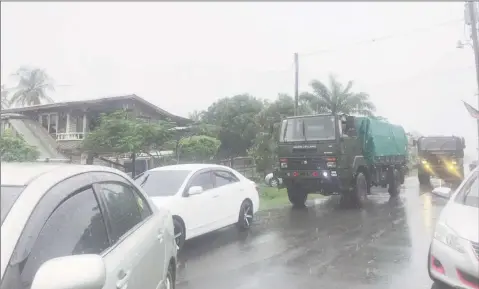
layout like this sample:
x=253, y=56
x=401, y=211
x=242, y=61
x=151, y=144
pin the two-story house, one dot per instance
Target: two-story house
x=67, y=123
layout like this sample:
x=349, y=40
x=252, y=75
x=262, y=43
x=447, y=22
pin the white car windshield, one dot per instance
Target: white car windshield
x=162, y=183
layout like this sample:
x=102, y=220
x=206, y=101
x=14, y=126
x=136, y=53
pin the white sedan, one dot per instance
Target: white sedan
x=201, y=197
x=454, y=253
x=69, y=226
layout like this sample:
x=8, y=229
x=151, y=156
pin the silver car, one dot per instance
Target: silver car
x=73, y=226
x=454, y=253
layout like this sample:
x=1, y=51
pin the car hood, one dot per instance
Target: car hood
x=464, y=220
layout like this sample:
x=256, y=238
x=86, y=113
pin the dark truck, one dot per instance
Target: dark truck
x=346, y=155
x=442, y=157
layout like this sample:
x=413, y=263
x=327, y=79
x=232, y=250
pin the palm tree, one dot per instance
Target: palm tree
x=337, y=99
x=5, y=101
x=32, y=87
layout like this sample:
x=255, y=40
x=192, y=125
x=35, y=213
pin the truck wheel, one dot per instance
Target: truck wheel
x=402, y=177
x=394, y=182
x=424, y=179
x=360, y=191
x=297, y=197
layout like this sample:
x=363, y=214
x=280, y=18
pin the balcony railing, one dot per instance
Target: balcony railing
x=70, y=136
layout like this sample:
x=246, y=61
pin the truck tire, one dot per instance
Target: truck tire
x=394, y=177
x=297, y=197
x=360, y=192
x=424, y=179
x=402, y=176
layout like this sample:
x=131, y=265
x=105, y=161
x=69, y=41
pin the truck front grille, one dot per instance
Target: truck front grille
x=306, y=164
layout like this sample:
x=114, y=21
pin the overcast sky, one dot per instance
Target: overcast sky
x=184, y=56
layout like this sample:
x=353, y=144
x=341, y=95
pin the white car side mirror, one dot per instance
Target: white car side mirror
x=195, y=190
x=443, y=192
x=71, y=272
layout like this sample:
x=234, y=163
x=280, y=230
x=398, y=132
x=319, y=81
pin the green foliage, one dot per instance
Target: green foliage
x=119, y=132
x=235, y=119
x=337, y=98
x=13, y=148
x=198, y=148
x=263, y=152
x=32, y=87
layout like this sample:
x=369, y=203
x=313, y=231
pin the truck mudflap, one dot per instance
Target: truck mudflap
x=320, y=181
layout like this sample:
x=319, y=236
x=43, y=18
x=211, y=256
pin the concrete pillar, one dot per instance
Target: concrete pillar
x=67, y=129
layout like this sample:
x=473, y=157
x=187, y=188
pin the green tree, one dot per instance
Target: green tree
x=195, y=116
x=13, y=148
x=337, y=98
x=234, y=116
x=198, y=148
x=5, y=101
x=120, y=133
x=32, y=87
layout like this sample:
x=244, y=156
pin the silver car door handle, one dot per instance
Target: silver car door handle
x=123, y=278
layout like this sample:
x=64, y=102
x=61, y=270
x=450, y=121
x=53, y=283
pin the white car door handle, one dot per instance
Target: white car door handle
x=123, y=278
x=215, y=196
x=160, y=235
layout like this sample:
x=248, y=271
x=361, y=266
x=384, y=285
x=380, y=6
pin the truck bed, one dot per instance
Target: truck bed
x=381, y=141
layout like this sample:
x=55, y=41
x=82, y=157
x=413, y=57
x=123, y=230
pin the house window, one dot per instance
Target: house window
x=50, y=122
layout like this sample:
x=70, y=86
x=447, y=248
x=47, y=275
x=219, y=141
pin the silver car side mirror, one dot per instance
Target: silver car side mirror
x=71, y=272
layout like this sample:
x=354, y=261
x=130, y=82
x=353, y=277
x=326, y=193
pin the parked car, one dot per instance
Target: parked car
x=67, y=226
x=272, y=181
x=454, y=252
x=202, y=197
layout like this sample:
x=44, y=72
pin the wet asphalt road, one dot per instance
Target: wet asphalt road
x=327, y=246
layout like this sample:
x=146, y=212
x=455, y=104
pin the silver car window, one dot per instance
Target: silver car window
x=125, y=209
x=75, y=227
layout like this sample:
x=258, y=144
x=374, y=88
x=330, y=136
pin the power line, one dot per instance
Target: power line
x=382, y=38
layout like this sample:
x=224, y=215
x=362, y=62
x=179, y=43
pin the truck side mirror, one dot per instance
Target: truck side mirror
x=463, y=143
x=271, y=129
x=414, y=142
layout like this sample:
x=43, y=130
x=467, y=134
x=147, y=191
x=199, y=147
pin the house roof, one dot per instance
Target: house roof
x=97, y=101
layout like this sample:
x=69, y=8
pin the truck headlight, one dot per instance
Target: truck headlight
x=284, y=165
x=447, y=236
x=424, y=162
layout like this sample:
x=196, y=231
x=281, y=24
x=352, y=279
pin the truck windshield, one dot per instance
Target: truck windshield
x=439, y=144
x=308, y=128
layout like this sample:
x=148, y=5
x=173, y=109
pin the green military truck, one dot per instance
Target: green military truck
x=346, y=155
x=441, y=157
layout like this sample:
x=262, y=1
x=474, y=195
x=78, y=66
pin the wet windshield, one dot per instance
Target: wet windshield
x=439, y=144
x=9, y=195
x=308, y=128
x=162, y=183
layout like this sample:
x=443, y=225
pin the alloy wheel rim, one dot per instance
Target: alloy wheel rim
x=274, y=183
x=247, y=216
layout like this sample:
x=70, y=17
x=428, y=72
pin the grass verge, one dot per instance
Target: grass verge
x=271, y=198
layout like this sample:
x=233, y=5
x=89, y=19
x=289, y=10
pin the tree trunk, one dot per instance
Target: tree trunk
x=133, y=167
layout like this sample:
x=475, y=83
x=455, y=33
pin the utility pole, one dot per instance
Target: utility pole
x=475, y=44
x=296, y=84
